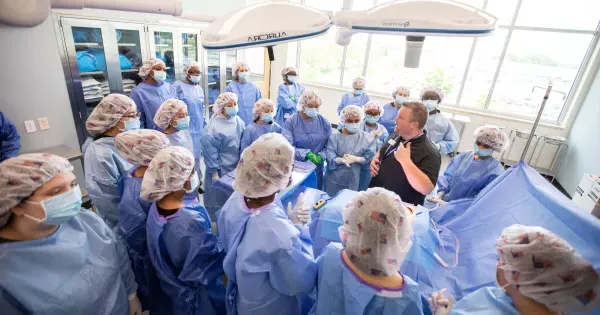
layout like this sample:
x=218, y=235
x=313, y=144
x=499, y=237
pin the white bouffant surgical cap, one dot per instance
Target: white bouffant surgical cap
x=373, y=105
x=358, y=83
x=400, y=88
x=260, y=105
x=147, y=67
x=237, y=67
x=286, y=71
x=351, y=111
x=140, y=146
x=167, y=111
x=168, y=171
x=108, y=113
x=307, y=97
x=435, y=89
x=190, y=65
x=222, y=100
x=493, y=137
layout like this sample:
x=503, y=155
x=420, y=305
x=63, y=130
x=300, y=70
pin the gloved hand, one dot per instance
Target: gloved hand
x=437, y=197
x=293, y=99
x=438, y=146
x=300, y=215
x=314, y=158
x=341, y=161
x=439, y=304
x=215, y=176
x=353, y=158
x=135, y=307
x=376, y=133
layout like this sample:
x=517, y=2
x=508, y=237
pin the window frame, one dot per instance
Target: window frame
x=571, y=98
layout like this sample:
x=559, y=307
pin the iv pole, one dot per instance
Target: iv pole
x=537, y=121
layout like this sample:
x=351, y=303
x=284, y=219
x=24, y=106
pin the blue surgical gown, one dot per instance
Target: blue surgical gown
x=248, y=93
x=365, y=171
x=286, y=106
x=254, y=130
x=485, y=301
x=10, y=141
x=351, y=99
x=148, y=98
x=221, y=144
x=80, y=269
x=340, y=176
x=104, y=166
x=269, y=262
x=465, y=177
x=193, y=96
x=340, y=291
x=308, y=136
x=440, y=130
x=188, y=259
x=388, y=118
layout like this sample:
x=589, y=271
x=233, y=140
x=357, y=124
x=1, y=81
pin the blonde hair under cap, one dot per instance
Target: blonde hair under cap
x=307, y=96
x=167, y=173
x=147, y=67
x=265, y=166
x=260, y=105
x=286, y=71
x=222, y=100
x=543, y=267
x=140, y=146
x=108, y=113
x=351, y=111
x=167, y=111
x=376, y=231
x=493, y=137
x=373, y=105
x=435, y=89
x=21, y=176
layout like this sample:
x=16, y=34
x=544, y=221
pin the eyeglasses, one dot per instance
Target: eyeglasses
x=133, y=115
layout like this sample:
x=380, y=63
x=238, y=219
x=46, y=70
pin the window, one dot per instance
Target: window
x=506, y=73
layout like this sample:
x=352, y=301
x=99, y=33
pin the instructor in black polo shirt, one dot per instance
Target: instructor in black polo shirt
x=408, y=164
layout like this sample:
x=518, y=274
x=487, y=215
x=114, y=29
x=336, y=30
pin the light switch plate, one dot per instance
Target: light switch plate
x=44, y=124
x=30, y=126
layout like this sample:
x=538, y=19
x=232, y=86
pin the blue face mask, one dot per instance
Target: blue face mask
x=372, y=119
x=311, y=112
x=132, y=124
x=244, y=76
x=159, y=76
x=267, y=117
x=231, y=111
x=61, y=208
x=183, y=123
x=431, y=104
x=352, y=128
x=482, y=152
x=401, y=99
x=194, y=182
x=358, y=92
x=292, y=78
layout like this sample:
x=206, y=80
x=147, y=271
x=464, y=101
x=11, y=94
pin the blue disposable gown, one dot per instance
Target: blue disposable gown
x=351, y=99
x=80, y=269
x=308, y=136
x=365, y=171
x=485, y=301
x=341, y=292
x=440, y=130
x=287, y=99
x=10, y=141
x=340, y=176
x=103, y=169
x=193, y=96
x=465, y=177
x=221, y=154
x=388, y=118
x=269, y=262
x=248, y=93
x=254, y=130
x=148, y=98
x=188, y=259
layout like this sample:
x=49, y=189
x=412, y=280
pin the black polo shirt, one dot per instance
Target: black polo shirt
x=391, y=174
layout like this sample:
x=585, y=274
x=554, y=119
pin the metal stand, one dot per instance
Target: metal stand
x=537, y=120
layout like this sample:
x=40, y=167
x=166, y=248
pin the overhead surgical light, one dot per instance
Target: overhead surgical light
x=415, y=19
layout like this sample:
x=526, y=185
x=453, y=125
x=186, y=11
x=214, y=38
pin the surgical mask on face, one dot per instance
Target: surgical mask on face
x=352, y=128
x=231, y=111
x=431, y=104
x=311, y=112
x=131, y=124
x=61, y=208
x=503, y=287
x=195, y=78
x=358, y=92
x=183, y=123
x=159, y=76
x=401, y=99
x=482, y=152
x=292, y=78
x=267, y=117
x=194, y=182
x=372, y=119
x=244, y=76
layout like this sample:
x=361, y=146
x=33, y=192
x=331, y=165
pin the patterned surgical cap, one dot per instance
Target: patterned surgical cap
x=167, y=111
x=108, y=113
x=167, y=173
x=140, y=146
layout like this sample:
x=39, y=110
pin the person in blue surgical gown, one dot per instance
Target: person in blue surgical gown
x=221, y=145
x=269, y=262
x=172, y=117
x=373, y=111
x=139, y=147
x=390, y=110
x=440, y=129
x=104, y=166
x=152, y=92
x=264, y=112
x=358, y=96
x=288, y=94
x=347, y=152
x=308, y=131
x=538, y=273
x=247, y=92
x=184, y=252
x=10, y=141
x=470, y=171
x=56, y=257
x=190, y=92
x=360, y=276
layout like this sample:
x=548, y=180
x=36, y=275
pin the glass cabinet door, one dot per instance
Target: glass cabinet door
x=213, y=76
x=189, y=47
x=162, y=48
x=131, y=49
x=231, y=60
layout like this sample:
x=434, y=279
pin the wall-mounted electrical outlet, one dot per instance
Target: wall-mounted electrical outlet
x=30, y=126
x=44, y=124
